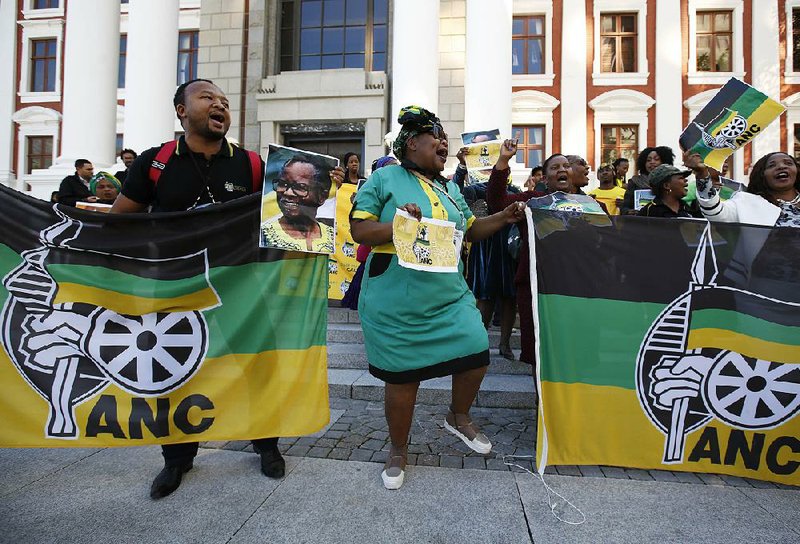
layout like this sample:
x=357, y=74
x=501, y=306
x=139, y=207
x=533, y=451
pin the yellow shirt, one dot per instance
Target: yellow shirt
x=273, y=235
x=609, y=198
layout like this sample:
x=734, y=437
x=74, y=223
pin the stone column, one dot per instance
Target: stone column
x=669, y=75
x=487, y=76
x=415, y=56
x=766, y=72
x=91, y=59
x=150, y=77
x=8, y=55
x=573, y=79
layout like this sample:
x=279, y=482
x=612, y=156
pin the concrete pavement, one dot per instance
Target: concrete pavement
x=90, y=495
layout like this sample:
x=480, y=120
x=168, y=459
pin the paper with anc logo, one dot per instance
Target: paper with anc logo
x=735, y=116
x=430, y=245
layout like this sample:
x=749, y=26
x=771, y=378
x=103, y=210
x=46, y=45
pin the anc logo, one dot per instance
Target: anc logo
x=721, y=353
x=69, y=346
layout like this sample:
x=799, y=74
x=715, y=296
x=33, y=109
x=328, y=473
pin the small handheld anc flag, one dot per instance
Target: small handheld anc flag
x=734, y=117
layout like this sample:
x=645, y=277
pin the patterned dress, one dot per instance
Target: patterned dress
x=273, y=235
x=417, y=325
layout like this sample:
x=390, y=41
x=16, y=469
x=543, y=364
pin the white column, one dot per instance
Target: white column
x=150, y=76
x=573, y=79
x=415, y=56
x=669, y=76
x=487, y=74
x=91, y=59
x=766, y=73
x=8, y=56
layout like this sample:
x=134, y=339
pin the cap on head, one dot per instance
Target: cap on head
x=662, y=173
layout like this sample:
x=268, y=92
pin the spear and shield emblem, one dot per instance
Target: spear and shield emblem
x=69, y=336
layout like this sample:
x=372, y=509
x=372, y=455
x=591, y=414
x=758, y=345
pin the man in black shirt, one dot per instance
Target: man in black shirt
x=76, y=187
x=203, y=169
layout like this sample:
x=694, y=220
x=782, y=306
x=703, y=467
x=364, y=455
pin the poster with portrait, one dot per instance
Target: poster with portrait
x=429, y=245
x=480, y=136
x=480, y=159
x=298, y=203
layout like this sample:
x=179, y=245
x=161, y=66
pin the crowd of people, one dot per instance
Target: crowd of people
x=420, y=325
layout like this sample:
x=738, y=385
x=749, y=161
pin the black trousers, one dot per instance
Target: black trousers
x=182, y=454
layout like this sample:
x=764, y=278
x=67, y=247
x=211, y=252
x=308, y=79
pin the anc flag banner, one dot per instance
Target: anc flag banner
x=121, y=330
x=342, y=265
x=667, y=344
x=737, y=114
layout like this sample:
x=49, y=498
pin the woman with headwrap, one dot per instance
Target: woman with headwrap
x=420, y=325
x=105, y=187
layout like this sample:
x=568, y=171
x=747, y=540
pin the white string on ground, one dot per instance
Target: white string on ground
x=508, y=460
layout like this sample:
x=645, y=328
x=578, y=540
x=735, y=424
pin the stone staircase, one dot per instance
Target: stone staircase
x=508, y=384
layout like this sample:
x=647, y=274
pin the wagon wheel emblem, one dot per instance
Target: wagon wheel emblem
x=735, y=128
x=752, y=393
x=148, y=354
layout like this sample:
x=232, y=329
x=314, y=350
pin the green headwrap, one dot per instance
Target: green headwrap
x=414, y=120
x=103, y=175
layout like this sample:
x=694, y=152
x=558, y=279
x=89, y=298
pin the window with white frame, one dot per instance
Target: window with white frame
x=791, y=72
x=620, y=42
x=42, y=43
x=716, y=41
x=792, y=104
x=620, y=123
x=532, y=120
x=532, y=43
x=38, y=9
x=37, y=138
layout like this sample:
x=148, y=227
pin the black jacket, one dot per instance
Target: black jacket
x=72, y=190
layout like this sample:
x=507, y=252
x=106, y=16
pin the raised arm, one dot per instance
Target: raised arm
x=497, y=196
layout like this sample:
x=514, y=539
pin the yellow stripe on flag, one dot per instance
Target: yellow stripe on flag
x=606, y=425
x=258, y=395
x=743, y=344
x=131, y=304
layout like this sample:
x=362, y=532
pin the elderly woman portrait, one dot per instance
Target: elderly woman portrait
x=301, y=187
x=419, y=324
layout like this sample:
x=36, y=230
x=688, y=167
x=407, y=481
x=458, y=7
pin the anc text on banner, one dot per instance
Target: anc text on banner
x=122, y=330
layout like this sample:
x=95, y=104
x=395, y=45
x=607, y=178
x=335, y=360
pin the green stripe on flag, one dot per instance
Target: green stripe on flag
x=287, y=315
x=115, y=281
x=581, y=349
x=745, y=324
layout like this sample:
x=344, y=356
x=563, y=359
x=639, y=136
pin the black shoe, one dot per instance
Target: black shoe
x=272, y=463
x=168, y=480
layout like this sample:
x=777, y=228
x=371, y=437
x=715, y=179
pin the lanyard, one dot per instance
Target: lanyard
x=463, y=221
x=207, y=181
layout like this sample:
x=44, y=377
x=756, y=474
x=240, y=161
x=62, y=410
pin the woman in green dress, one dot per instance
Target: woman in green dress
x=419, y=324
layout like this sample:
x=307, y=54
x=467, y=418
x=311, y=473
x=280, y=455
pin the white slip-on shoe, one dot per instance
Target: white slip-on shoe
x=394, y=471
x=467, y=432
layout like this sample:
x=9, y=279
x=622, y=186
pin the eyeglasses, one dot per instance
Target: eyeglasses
x=300, y=189
x=438, y=132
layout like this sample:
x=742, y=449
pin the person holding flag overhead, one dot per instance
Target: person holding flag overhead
x=772, y=197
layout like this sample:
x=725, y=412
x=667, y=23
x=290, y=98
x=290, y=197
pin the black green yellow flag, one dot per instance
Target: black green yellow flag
x=737, y=114
x=122, y=330
x=668, y=344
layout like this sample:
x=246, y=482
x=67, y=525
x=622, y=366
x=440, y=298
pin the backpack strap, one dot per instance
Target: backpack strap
x=162, y=158
x=255, y=170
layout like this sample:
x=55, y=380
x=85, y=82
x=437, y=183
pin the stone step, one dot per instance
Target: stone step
x=497, y=390
x=351, y=333
x=342, y=315
x=354, y=356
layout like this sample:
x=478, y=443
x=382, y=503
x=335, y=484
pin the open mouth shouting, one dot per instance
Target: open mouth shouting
x=217, y=121
x=441, y=154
